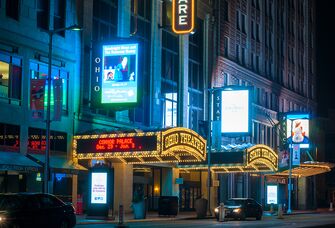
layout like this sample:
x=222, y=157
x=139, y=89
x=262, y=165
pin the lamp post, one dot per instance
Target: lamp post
x=289, y=211
x=209, y=174
x=48, y=116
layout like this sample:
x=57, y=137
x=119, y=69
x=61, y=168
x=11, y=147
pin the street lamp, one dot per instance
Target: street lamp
x=48, y=118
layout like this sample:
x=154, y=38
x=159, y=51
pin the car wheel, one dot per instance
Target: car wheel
x=64, y=224
x=259, y=217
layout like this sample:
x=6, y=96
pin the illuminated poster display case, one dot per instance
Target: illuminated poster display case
x=115, y=79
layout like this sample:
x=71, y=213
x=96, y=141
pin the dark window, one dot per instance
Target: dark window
x=243, y=24
x=225, y=10
x=13, y=9
x=9, y=137
x=237, y=19
x=226, y=43
x=43, y=14
x=59, y=15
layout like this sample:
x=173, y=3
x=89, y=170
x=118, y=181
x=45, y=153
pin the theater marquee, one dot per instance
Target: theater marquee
x=183, y=14
x=172, y=145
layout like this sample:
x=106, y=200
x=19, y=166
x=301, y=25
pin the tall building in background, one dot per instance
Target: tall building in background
x=270, y=46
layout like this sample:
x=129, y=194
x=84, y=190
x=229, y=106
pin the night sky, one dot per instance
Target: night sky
x=325, y=55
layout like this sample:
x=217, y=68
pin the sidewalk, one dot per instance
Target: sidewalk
x=129, y=218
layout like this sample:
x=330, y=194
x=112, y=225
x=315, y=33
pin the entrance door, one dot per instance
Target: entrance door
x=188, y=193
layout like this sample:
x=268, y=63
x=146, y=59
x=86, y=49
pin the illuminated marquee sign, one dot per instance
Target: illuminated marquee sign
x=117, y=144
x=115, y=70
x=172, y=145
x=183, y=14
x=183, y=138
x=262, y=152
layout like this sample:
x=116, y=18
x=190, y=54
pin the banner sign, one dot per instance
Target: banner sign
x=296, y=154
x=37, y=89
x=58, y=99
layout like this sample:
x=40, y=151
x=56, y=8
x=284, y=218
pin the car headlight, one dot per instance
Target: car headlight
x=237, y=210
x=2, y=219
x=216, y=210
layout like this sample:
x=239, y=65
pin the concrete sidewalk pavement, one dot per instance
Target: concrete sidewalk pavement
x=153, y=216
x=129, y=218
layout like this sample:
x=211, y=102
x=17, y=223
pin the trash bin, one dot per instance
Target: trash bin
x=168, y=205
x=200, y=206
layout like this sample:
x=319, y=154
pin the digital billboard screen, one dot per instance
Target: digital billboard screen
x=235, y=111
x=119, y=73
x=297, y=126
x=99, y=188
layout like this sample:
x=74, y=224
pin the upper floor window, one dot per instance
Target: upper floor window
x=42, y=12
x=238, y=19
x=59, y=15
x=225, y=10
x=10, y=78
x=40, y=71
x=13, y=9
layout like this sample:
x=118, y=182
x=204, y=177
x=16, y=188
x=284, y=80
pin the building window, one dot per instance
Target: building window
x=9, y=137
x=10, y=78
x=237, y=53
x=238, y=19
x=257, y=63
x=170, y=110
x=257, y=32
x=40, y=71
x=225, y=10
x=13, y=9
x=243, y=55
x=226, y=46
x=243, y=23
x=252, y=61
x=42, y=14
x=252, y=29
x=59, y=15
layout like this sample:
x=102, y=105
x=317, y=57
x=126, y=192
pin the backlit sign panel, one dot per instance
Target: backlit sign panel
x=297, y=126
x=119, y=73
x=183, y=14
x=235, y=111
x=272, y=194
x=99, y=188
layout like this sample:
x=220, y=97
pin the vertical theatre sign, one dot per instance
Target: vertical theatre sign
x=183, y=14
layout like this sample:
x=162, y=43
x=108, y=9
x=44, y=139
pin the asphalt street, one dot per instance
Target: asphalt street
x=303, y=220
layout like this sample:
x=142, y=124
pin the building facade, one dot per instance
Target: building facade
x=267, y=45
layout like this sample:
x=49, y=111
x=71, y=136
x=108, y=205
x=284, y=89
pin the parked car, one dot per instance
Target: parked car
x=35, y=210
x=241, y=208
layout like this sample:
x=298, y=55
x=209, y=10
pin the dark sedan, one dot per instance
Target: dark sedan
x=35, y=210
x=241, y=208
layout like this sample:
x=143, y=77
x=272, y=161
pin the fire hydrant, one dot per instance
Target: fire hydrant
x=221, y=212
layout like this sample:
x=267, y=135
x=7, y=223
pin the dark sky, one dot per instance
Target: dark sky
x=325, y=55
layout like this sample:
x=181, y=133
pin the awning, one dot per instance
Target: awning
x=58, y=163
x=239, y=158
x=309, y=168
x=13, y=161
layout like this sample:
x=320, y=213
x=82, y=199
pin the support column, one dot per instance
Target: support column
x=123, y=186
x=169, y=186
x=302, y=193
x=246, y=185
x=123, y=31
x=74, y=190
x=182, y=120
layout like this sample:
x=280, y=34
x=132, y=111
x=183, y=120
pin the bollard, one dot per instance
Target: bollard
x=221, y=212
x=280, y=212
x=331, y=206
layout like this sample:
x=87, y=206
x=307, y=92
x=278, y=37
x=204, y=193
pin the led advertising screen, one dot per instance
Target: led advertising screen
x=297, y=126
x=235, y=111
x=272, y=194
x=119, y=73
x=99, y=188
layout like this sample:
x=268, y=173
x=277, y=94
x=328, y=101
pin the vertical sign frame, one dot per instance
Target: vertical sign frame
x=183, y=16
